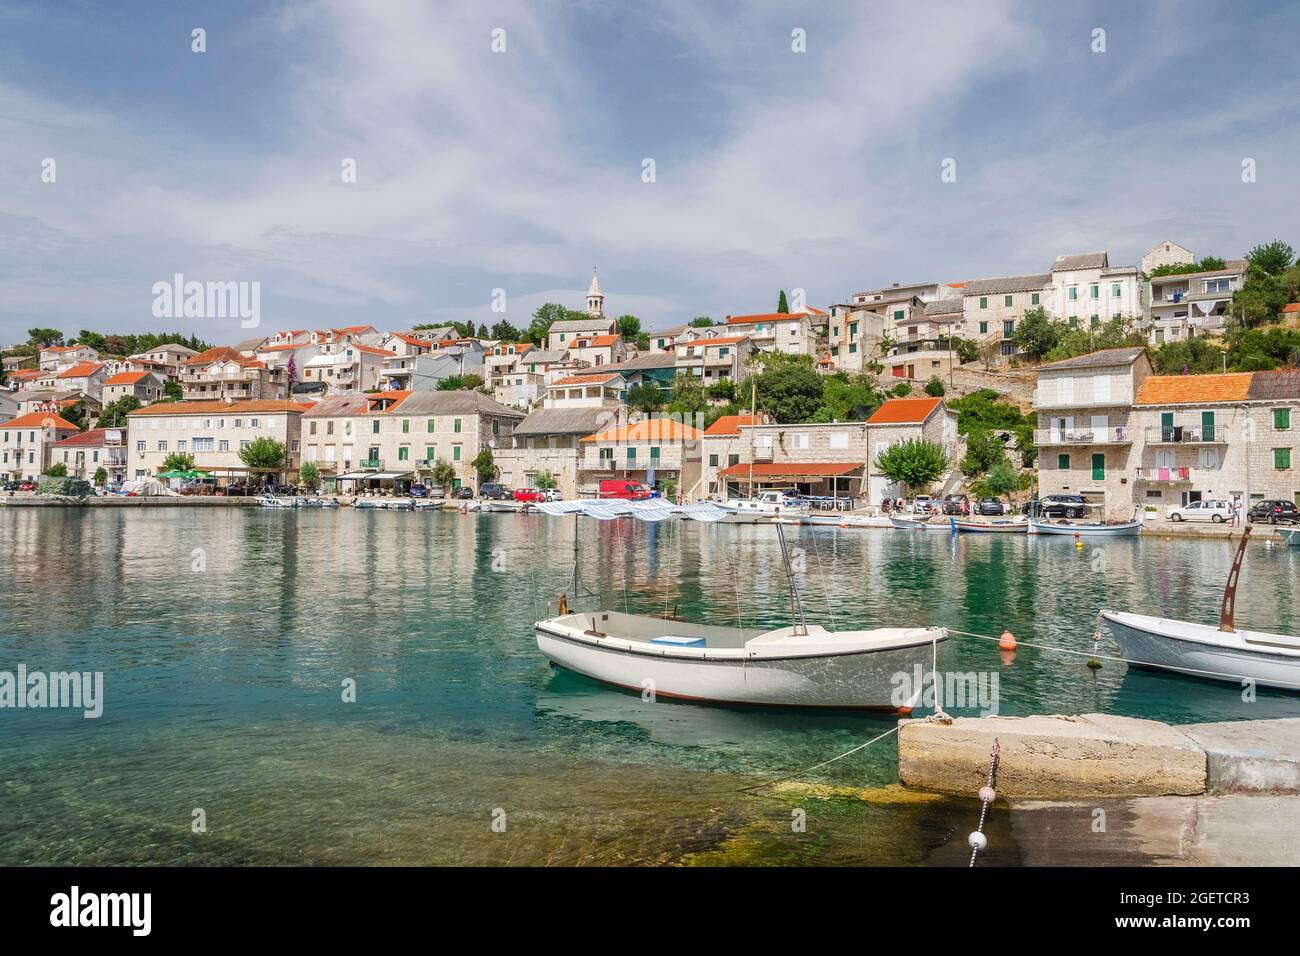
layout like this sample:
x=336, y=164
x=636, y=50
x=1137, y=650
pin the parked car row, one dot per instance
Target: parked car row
x=1274, y=511
x=26, y=484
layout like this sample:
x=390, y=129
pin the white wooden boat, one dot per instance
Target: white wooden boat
x=1093, y=529
x=788, y=667
x=920, y=523
x=383, y=504
x=798, y=666
x=1202, y=650
x=271, y=501
x=1290, y=535
x=1016, y=525
x=310, y=502
x=426, y=504
x=1224, y=653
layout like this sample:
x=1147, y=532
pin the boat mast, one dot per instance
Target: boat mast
x=753, y=418
x=796, y=607
x=1229, y=603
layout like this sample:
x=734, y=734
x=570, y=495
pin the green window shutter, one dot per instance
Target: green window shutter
x=455, y=426
x=853, y=348
x=1006, y=300
x=984, y=327
x=406, y=426
x=713, y=461
x=430, y=452
x=984, y=302
x=898, y=315
x=1281, y=418
x=654, y=452
x=631, y=454
x=374, y=427
x=1099, y=467
x=429, y=425
x=1063, y=462
x=1281, y=458
x=455, y=453
x=403, y=453
x=1207, y=426
x=1033, y=299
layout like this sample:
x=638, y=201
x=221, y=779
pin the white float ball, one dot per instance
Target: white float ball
x=977, y=840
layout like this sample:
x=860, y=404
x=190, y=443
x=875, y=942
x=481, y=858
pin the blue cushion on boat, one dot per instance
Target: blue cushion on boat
x=679, y=641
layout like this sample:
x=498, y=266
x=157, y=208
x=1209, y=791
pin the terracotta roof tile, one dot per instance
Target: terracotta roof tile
x=730, y=424
x=236, y=407
x=794, y=469
x=41, y=420
x=1194, y=389
x=648, y=429
x=904, y=411
x=125, y=378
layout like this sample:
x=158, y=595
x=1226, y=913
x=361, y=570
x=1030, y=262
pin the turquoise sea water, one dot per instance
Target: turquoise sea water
x=224, y=637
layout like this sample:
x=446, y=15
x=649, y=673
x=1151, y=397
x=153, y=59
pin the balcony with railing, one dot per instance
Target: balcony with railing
x=376, y=464
x=1164, y=476
x=1107, y=435
x=1186, y=435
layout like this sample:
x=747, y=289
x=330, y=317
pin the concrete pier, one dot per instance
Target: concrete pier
x=1098, y=755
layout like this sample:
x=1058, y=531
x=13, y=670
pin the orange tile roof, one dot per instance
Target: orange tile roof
x=721, y=340
x=372, y=350
x=93, y=437
x=1291, y=307
x=648, y=429
x=730, y=424
x=27, y=373
x=215, y=354
x=904, y=411
x=765, y=317
x=236, y=407
x=125, y=378
x=65, y=348
x=290, y=347
x=41, y=420
x=1194, y=389
x=412, y=340
x=81, y=370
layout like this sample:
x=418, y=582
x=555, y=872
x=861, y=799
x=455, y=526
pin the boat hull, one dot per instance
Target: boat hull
x=1199, y=650
x=864, y=680
x=1009, y=526
x=1127, y=529
x=919, y=524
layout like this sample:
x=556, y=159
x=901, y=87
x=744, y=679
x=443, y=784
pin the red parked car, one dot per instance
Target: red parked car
x=529, y=495
x=623, y=488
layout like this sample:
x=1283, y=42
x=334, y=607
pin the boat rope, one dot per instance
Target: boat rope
x=987, y=794
x=824, y=763
x=1126, y=660
x=821, y=571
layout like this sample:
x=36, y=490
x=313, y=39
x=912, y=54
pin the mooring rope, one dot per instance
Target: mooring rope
x=1127, y=660
x=824, y=763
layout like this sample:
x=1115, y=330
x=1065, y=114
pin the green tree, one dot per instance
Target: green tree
x=984, y=450
x=1260, y=298
x=101, y=476
x=444, y=473
x=177, y=461
x=701, y=322
x=57, y=470
x=505, y=332
x=781, y=304
x=645, y=397
x=544, y=481
x=44, y=338
x=789, y=388
x=915, y=464
x=629, y=326
x=309, y=474
x=688, y=395
x=643, y=342
x=1111, y=334
x=1196, y=356
x=723, y=390
x=847, y=398
x=115, y=413
x=1272, y=258
x=485, y=467
x=546, y=316
x=1002, y=479
x=934, y=387
x=172, y=391
x=1036, y=334
x=459, y=383
x=265, y=455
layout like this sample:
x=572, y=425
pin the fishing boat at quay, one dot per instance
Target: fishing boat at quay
x=800, y=665
x=919, y=523
x=1017, y=525
x=1094, y=529
x=1225, y=653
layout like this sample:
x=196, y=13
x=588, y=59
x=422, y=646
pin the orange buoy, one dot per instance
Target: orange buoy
x=1007, y=642
x=905, y=711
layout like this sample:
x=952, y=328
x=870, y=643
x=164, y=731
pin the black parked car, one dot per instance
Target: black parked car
x=1273, y=511
x=463, y=493
x=419, y=491
x=497, y=492
x=990, y=506
x=1056, y=506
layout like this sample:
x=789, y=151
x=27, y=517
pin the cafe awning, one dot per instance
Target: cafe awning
x=792, y=471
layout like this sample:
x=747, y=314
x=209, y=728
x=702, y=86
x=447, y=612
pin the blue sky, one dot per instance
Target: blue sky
x=521, y=170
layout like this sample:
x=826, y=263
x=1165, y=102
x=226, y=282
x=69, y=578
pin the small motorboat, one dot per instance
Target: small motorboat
x=763, y=507
x=310, y=502
x=803, y=665
x=384, y=504
x=1225, y=653
x=271, y=501
x=426, y=504
x=1290, y=535
x=920, y=523
x=1017, y=525
x=1086, y=529
x=1202, y=650
x=800, y=666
